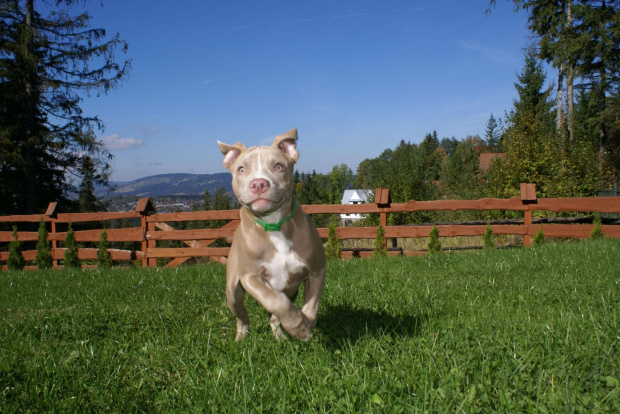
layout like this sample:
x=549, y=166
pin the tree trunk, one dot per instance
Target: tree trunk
x=560, y=109
x=570, y=75
x=602, y=98
x=30, y=115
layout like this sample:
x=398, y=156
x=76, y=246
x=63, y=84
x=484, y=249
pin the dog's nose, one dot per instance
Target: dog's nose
x=259, y=186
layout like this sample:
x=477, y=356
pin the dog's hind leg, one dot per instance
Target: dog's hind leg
x=278, y=333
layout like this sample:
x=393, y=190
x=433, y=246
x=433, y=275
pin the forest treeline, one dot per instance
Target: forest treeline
x=562, y=134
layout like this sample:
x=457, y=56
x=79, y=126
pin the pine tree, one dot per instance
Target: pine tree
x=539, y=238
x=530, y=136
x=104, y=258
x=380, y=249
x=44, y=255
x=48, y=64
x=434, y=244
x=489, y=240
x=87, y=201
x=493, y=135
x=71, y=254
x=332, y=249
x=207, y=201
x=16, y=259
x=597, y=231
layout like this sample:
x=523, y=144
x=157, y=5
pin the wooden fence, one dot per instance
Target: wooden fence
x=154, y=228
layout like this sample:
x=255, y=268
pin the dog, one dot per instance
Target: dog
x=276, y=247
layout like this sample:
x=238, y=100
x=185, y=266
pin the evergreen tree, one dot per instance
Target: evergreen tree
x=208, y=204
x=529, y=138
x=460, y=173
x=16, y=259
x=221, y=201
x=493, y=135
x=434, y=244
x=71, y=254
x=87, y=202
x=380, y=248
x=597, y=231
x=48, y=63
x=488, y=239
x=449, y=145
x=539, y=238
x=104, y=258
x=44, y=254
x=332, y=248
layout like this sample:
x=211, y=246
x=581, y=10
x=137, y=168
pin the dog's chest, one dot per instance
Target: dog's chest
x=280, y=268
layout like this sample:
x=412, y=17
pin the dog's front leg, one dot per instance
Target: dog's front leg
x=313, y=287
x=279, y=306
x=234, y=299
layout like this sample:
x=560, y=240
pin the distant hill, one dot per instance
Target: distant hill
x=168, y=185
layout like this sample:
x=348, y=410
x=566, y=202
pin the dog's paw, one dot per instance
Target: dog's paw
x=301, y=329
x=242, y=331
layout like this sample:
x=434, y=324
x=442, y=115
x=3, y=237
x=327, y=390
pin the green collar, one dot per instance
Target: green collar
x=274, y=226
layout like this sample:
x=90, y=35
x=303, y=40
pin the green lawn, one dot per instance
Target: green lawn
x=513, y=330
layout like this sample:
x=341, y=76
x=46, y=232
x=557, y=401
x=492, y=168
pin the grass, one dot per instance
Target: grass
x=518, y=330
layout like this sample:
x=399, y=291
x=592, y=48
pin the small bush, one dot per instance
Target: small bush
x=16, y=259
x=489, y=239
x=380, y=249
x=104, y=258
x=539, y=238
x=597, y=231
x=44, y=254
x=71, y=254
x=434, y=244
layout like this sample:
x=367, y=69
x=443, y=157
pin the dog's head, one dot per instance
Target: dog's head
x=262, y=177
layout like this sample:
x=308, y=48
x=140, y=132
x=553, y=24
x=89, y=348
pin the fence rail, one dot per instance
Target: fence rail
x=154, y=227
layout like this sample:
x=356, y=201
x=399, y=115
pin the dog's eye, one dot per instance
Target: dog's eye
x=278, y=167
x=241, y=170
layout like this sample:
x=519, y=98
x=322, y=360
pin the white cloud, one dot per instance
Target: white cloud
x=115, y=142
x=145, y=129
x=498, y=55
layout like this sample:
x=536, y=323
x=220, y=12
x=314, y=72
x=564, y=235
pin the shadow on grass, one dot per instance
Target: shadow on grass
x=341, y=324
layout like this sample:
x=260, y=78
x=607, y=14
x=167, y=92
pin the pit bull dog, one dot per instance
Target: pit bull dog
x=276, y=247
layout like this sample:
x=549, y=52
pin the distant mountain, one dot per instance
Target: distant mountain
x=168, y=185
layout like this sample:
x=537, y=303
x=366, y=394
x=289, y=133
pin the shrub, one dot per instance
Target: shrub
x=489, y=240
x=16, y=259
x=71, y=254
x=434, y=245
x=104, y=258
x=44, y=254
x=539, y=238
x=380, y=249
x=332, y=249
x=597, y=231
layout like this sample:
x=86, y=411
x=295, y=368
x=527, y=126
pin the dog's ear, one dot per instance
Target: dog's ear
x=231, y=153
x=287, y=143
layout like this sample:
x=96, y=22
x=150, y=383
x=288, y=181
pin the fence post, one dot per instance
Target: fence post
x=50, y=213
x=144, y=207
x=528, y=196
x=383, y=200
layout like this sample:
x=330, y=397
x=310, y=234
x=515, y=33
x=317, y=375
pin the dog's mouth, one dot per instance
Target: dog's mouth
x=261, y=205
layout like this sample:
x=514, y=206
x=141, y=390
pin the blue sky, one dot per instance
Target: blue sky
x=354, y=76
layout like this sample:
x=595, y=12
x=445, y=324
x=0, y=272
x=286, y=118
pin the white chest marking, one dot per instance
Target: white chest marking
x=283, y=263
